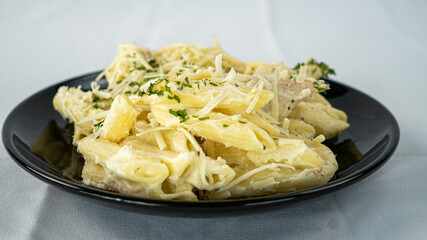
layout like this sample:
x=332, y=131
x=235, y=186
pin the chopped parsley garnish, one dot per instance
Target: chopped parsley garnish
x=153, y=63
x=236, y=85
x=137, y=68
x=213, y=84
x=272, y=70
x=289, y=107
x=194, y=116
x=140, y=93
x=149, y=78
x=131, y=84
x=317, y=86
x=203, y=118
x=242, y=122
x=225, y=125
x=263, y=147
x=184, y=64
x=95, y=98
x=174, y=97
x=96, y=106
x=187, y=83
x=177, y=73
x=100, y=124
x=325, y=70
x=182, y=114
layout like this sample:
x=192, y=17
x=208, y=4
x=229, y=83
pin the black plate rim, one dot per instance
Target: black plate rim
x=100, y=194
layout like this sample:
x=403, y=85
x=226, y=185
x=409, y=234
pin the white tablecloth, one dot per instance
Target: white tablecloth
x=379, y=47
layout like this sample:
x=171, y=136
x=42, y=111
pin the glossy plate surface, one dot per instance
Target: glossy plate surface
x=39, y=140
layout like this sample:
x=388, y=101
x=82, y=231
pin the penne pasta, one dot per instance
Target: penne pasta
x=192, y=123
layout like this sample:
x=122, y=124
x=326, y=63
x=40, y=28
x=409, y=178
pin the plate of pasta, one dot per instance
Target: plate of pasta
x=191, y=131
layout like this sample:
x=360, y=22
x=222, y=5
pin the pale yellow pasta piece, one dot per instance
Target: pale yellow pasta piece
x=177, y=163
x=98, y=154
x=119, y=120
x=320, y=99
x=327, y=120
x=174, y=140
x=135, y=169
x=235, y=158
x=301, y=129
x=203, y=172
x=294, y=152
x=127, y=163
x=231, y=131
x=74, y=104
x=97, y=150
x=307, y=164
x=260, y=122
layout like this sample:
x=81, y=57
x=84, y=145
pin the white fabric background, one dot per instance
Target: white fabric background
x=379, y=47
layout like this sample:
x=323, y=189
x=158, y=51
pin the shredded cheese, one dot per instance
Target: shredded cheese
x=160, y=140
x=202, y=162
x=191, y=139
x=256, y=98
x=230, y=76
x=95, y=117
x=218, y=66
x=212, y=104
x=302, y=74
x=153, y=130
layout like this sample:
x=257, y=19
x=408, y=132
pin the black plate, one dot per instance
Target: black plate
x=38, y=139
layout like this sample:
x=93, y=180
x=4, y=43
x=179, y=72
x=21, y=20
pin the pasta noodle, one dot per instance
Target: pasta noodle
x=192, y=123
